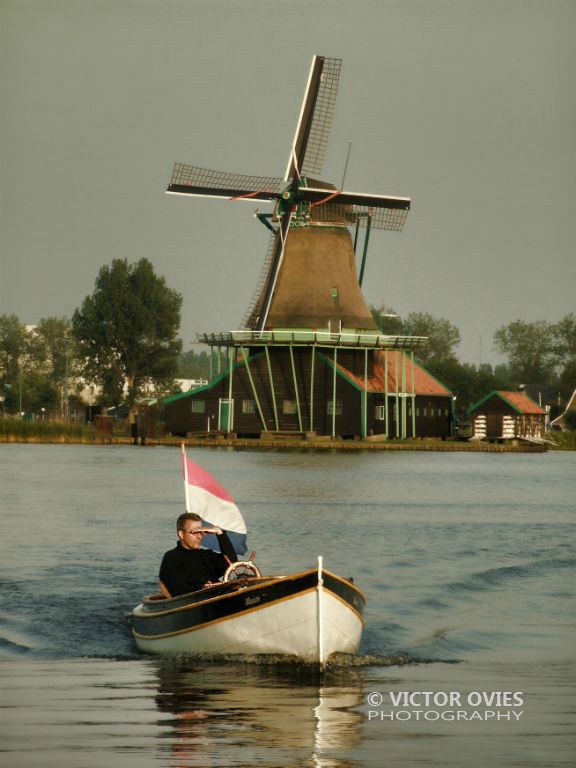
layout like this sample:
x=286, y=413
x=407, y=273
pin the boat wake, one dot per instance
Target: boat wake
x=335, y=662
x=494, y=578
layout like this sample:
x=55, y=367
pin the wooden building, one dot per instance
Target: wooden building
x=507, y=415
x=329, y=388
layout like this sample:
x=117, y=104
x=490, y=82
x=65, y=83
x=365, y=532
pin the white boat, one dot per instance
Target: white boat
x=309, y=615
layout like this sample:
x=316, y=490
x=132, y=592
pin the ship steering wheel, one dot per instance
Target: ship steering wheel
x=241, y=569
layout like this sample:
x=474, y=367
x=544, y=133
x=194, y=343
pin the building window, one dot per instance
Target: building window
x=198, y=406
x=247, y=406
x=380, y=413
x=329, y=408
x=289, y=407
x=418, y=411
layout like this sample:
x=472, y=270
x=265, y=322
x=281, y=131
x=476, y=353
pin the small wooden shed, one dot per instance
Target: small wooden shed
x=507, y=415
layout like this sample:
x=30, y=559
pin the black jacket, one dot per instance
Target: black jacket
x=187, y=570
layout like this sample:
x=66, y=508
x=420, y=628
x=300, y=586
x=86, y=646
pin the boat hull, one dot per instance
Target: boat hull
x=286, y=615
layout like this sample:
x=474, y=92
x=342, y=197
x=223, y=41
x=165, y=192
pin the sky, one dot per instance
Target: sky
x=468, y=107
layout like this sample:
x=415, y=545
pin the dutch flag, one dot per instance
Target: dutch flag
x=206, y=497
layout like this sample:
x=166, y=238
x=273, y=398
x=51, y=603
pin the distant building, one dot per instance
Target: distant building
x=507, y=415
x=559, y=423
x=186, y=384
x=89, y=393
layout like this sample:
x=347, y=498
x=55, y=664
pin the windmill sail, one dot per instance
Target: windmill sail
x=341, y=208
x=252, y=314
x=313, y=129
x=279, y=248
x=307, y=154
x=204, y=182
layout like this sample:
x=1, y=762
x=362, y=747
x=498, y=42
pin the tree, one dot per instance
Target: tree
x=127, y=330
x=564, y=333
x=14, y=361
x=529, y=348
x=194, y=365
x=53, y=347
x=387, y=320
x=470, y=382
x=54, y=353
x=443, y=338
x=564, y=344
x=13, y=347
x=38, y=392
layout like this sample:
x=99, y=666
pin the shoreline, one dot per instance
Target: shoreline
x=289, y=443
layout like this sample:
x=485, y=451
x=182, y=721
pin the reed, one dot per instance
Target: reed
x=16, y=430
x=563, y=441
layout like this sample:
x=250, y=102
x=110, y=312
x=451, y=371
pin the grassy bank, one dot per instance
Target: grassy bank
x=563, y=441
x=18, y=431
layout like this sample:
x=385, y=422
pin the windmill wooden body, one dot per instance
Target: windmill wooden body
x=309, y=357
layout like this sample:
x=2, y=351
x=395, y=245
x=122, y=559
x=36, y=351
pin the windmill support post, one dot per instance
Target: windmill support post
x=255, y=393
x=295, y=387
x=272, y=390
x=404, y=400
x=231, y=369
x=397, y=367
x=334, y=393
x=386, y=422
x=313, y=352
x=364, y=409
x=413, y=394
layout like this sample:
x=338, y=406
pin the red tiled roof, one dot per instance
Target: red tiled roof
x=521, y=402
x=424, y=382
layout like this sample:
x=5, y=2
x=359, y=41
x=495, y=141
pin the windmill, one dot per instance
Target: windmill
x=308, y=310
x=305, y=211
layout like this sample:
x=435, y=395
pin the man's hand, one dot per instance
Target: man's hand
x=215, y=530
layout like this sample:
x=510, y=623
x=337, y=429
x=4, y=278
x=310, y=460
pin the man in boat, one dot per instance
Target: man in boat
x=189, y=567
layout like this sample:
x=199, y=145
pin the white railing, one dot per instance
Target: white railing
x=321, y=338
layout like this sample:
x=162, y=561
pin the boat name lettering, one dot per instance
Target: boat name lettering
x=252, y=600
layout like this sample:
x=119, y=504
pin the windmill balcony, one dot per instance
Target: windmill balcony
x=320, y=338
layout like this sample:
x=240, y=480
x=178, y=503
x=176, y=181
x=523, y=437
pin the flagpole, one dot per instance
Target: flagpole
x=320, y=614
x=185, y=468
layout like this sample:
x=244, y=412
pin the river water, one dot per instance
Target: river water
x=467, y=562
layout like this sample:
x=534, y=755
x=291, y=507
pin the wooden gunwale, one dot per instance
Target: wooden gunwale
x=262, y=582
